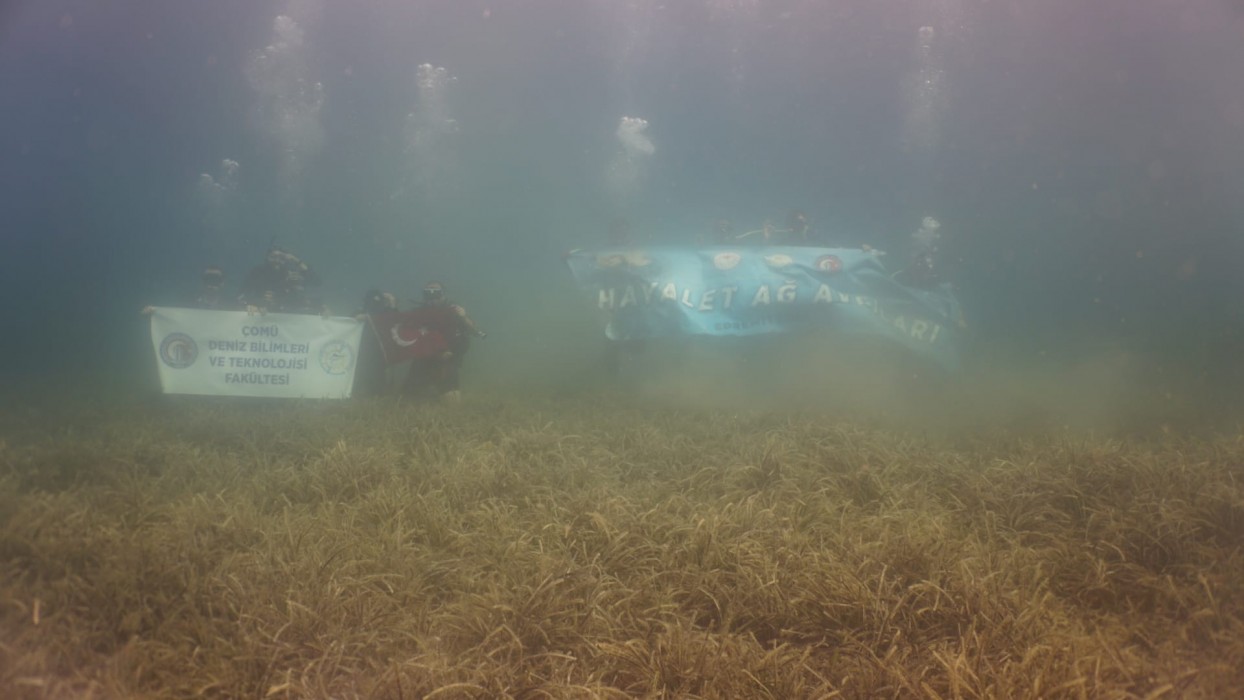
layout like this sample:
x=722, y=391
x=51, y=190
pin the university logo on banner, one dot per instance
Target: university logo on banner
x=337, y=357
x=178, y=350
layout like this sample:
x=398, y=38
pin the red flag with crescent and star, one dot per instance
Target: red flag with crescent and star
x=413, y=335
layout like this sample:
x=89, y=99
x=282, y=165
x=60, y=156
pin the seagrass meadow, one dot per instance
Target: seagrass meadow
x=608, y=546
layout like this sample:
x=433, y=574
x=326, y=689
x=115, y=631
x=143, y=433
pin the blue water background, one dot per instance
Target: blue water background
x=1085, y=160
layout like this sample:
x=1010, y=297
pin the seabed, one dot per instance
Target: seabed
x=607, y=546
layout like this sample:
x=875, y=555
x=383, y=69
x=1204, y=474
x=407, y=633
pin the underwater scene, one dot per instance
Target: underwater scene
x=622, y=349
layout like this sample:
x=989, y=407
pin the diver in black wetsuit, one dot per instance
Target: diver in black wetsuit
x=371, y=371
x=922, y=272
x=440, y=373
x=279, y=284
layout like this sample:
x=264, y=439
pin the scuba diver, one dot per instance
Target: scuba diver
x=921, y=272
x=210, y=295
x=371, y=370
x=440, y=373
x=279, y=284
x=295, y=299
x=797, y=228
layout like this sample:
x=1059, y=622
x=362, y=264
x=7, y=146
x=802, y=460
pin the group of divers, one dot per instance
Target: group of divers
x=280, y=285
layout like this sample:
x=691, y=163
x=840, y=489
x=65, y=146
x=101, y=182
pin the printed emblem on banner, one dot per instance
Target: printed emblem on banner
x=829, y=263
x=778, y=260
x=727, y=260
x=336, y=357
x=178, y=350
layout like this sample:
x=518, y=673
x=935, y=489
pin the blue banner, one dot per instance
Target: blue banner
x=673, y=291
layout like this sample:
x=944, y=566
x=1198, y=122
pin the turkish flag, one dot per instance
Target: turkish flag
x=415, y=334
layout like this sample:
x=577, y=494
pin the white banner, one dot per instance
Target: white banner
x=230, y=353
